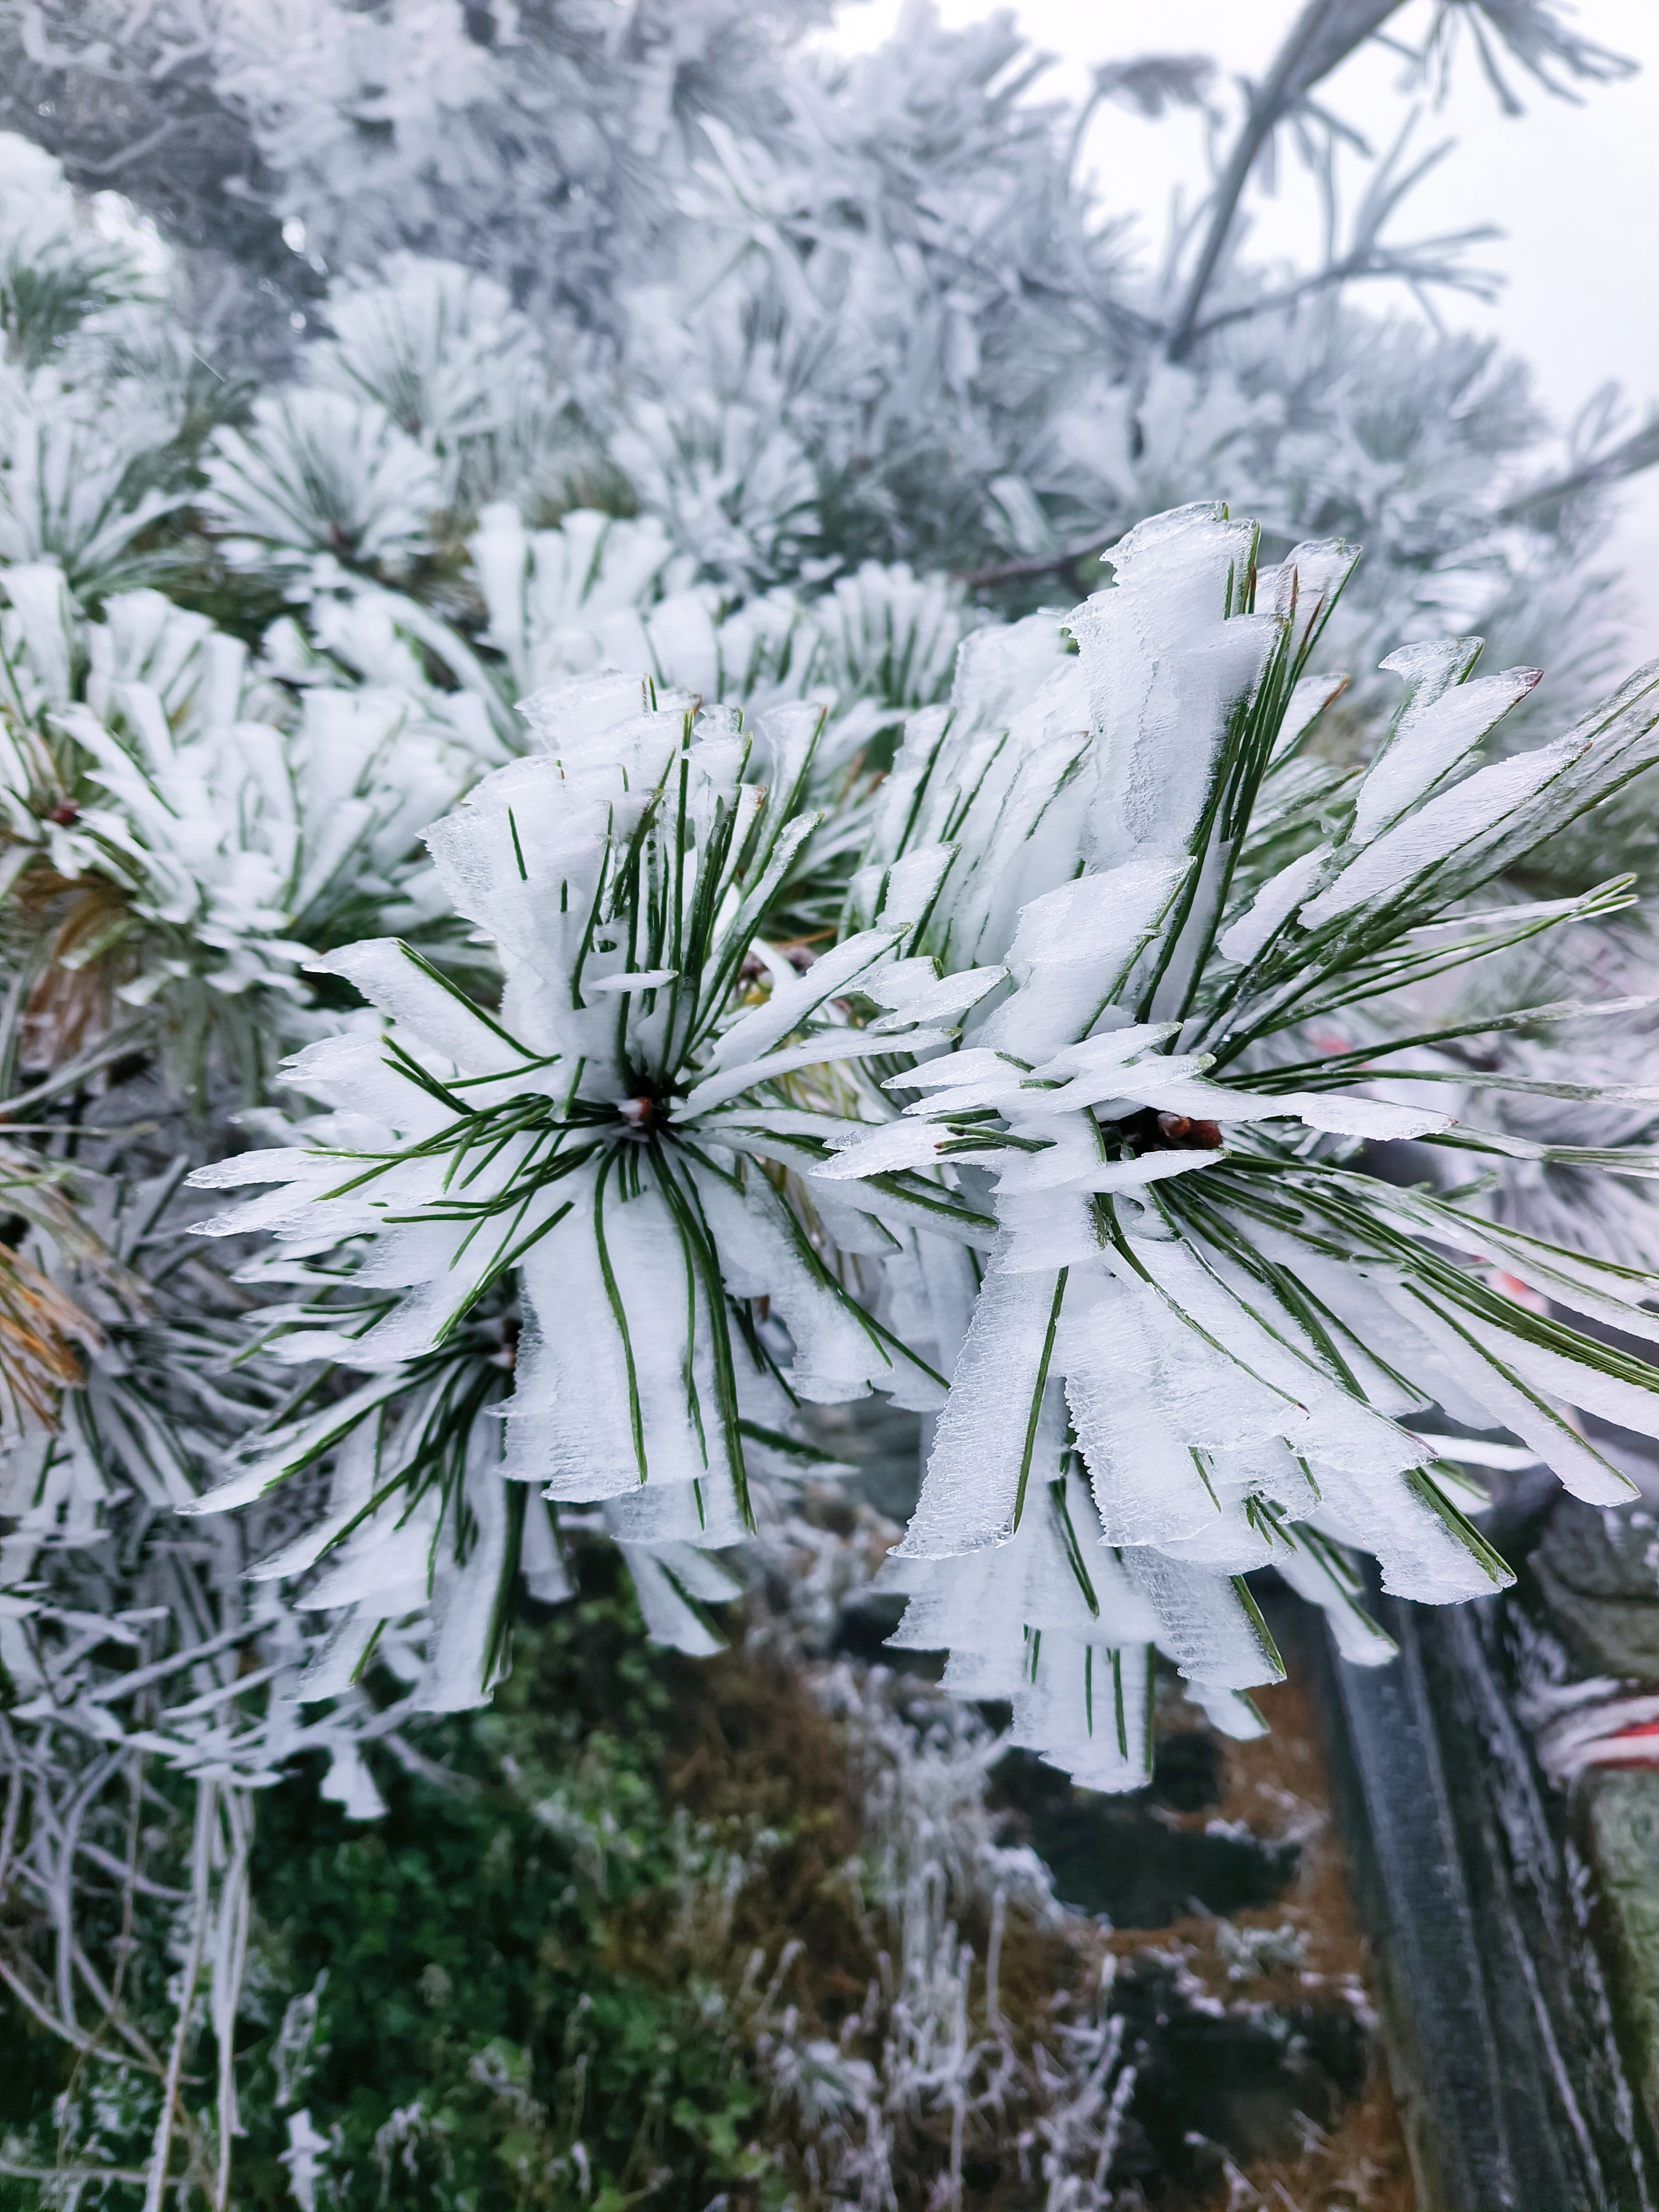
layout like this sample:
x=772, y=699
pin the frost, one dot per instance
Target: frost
x=1446, y=716
x=1165, y=668
x=702, y=1069
x=984, y=1442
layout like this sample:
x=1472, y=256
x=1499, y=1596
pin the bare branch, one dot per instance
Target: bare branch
x=61, y=2174
x=1038, y=564
x=171, y=2107
x=1422, y=262
x=1629, y=458
x=136, y=152
x=1356, y=267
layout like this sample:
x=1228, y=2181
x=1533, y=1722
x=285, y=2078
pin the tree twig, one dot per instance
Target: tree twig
x=1354, y=267
x=1325, y=33
x=1037, y=564
x=201, y=1850
x=1630, y=457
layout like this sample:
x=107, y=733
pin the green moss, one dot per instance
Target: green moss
x=494, y=2026
x=478, y=1979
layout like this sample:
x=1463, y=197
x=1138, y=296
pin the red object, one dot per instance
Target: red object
x=1643, y=1739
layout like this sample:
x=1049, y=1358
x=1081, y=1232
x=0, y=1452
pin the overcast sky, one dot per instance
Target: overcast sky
x=1574, y=188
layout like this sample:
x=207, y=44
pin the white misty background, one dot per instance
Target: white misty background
x=1572, y=185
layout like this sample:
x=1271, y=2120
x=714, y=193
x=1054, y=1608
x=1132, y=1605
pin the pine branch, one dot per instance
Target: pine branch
x=1322, y=37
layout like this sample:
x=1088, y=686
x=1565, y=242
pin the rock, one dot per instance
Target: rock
x=1620, y=1813
x=1596, y=1570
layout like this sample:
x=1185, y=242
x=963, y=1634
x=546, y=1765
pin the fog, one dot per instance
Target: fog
x=1573, y=185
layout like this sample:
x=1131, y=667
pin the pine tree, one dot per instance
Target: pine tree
x=532, y=746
